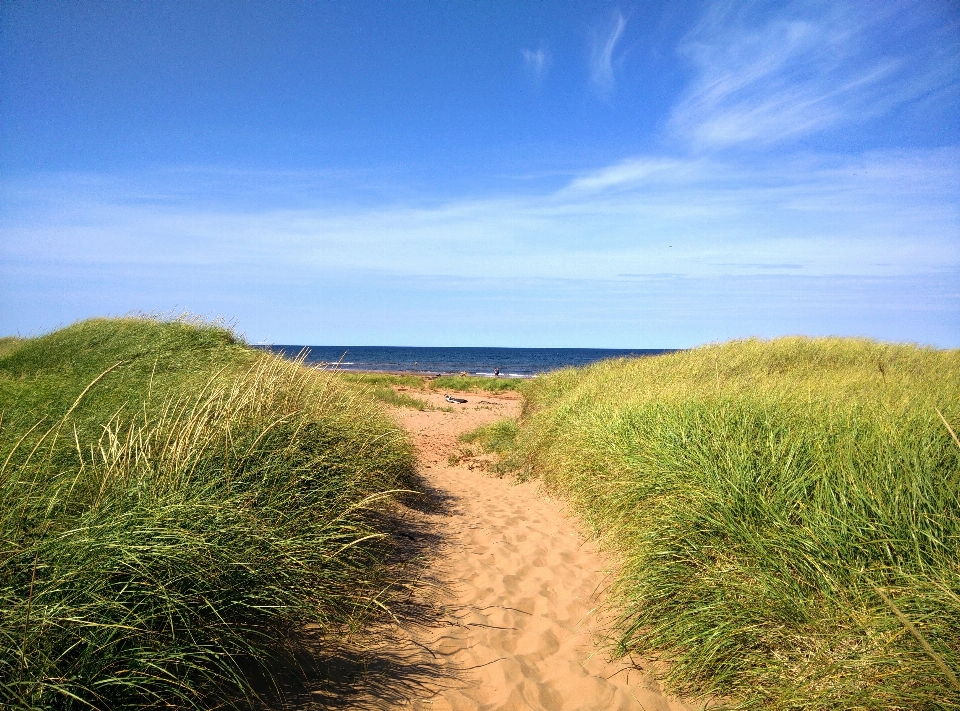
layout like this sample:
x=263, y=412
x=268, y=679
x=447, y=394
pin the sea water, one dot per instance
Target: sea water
x=512, y=362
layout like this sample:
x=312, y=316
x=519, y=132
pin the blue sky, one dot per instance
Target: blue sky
x=514, y=174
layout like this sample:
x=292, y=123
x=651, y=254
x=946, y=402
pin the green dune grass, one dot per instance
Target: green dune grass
x=381, y=387
x=450, y=383
x=476, y=383
x=175, y=508
x=787, y=514
x=496, y=438
x=8, y=344
x=379, y=380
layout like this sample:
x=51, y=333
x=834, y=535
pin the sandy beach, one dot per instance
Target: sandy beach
x=505, y=616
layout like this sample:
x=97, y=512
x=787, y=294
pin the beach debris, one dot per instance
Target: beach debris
x=457, y=400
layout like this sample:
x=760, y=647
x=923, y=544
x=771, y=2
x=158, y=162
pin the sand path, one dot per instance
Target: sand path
x=515, y=587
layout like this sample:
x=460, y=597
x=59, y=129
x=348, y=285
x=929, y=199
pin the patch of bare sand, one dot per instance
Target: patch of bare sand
x=519, y=586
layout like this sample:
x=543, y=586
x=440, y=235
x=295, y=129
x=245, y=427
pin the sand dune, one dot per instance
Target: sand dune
x=515, y=589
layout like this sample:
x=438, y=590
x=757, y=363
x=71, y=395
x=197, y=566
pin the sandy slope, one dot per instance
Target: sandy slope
x=514, y=592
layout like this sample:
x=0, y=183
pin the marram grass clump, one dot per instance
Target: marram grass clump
x=175, y=508
x=787, y=514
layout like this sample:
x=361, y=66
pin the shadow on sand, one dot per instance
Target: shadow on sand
x=384, y=666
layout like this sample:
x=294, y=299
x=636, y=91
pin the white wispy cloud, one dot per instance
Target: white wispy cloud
x=635, y=171
x=603, y=42
x=880, y=214
x=767, y=76
x=536, y=64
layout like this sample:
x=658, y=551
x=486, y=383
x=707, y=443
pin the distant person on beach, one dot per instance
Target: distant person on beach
x=496, y=372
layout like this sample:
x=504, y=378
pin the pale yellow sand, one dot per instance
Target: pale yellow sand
x=516, y=587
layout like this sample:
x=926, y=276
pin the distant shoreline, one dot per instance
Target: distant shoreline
x=429, y=374
x=483, y=362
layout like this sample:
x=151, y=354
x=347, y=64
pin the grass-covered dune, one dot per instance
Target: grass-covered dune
x=787, y=514
x=175, y=508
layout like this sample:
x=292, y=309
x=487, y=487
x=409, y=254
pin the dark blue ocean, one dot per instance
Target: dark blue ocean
x=513, y=362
